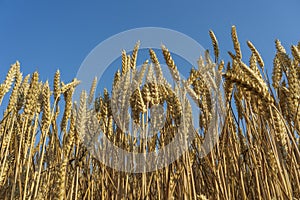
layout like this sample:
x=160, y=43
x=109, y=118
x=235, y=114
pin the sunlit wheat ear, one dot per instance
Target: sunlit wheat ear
x=140, y=75
x=106, y=99
x=70, y=136
x=65, y=87
x=15, y=92
x=124, y=92
x=283, y=94
x=150, y=74
x=174, y=106
x=128, y=63
x=137, y=105
x=4, y=87
x=282, y=56
x=40, y=96
x=294, y=88
x=61, y=189
x=200, y=63
x=56, y=85
x=46, y=117
x=253, y=75
x=124, y=62
x=257, y=55
x=272, y=162
x=236, y=43
x=154, y=93
x=104, y=108
x=251, y=82
x=5, y=169
x=31, y=100
x=157, y=67
x=191, y=92
x=296, y=53
x=207, y=58
x=171, y=64
x=163, y=92
x=68, y=107
x=215, y=45
x=193, y=76
x=201, y=197
x=146, y=94
x=228, y=85
x=218, y=74
x=221, y=66
x=110, y=129
x=117, y=78
x=81, y=115
x=253, y=66
x=279, y=46
x=92, y=91
x=23, y=92
x=153, y=57
x=277, y=73
x=280, y=131
x=238, y=102
x=134, y=55
x=232, y=56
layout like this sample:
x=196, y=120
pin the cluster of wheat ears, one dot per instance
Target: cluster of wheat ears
x=42, y=155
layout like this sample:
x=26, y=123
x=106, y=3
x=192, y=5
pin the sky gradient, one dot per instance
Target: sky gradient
x=51, y=35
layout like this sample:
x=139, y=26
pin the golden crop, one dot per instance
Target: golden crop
x=42, y=155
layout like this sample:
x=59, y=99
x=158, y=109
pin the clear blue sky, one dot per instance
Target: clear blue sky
x=47, y=35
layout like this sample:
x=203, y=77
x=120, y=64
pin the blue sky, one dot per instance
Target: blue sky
x=51, y=35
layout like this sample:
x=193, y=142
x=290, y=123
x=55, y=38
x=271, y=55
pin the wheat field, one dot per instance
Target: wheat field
x=42, y=154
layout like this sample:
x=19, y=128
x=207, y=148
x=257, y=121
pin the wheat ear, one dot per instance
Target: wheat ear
x=236, y=43
x=257, y=55
x=215, y=45
x=4, y=88
x=171, y=64
x=134, y=55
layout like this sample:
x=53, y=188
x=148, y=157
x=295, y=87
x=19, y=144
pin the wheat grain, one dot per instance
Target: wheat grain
x=233, y=57
x=117, y=78
x=46, y=117
x=140, y=76
x=31, y=100
x=22, y=92
x=171, y=64
x=236, y=43
x=134, y=56
x=8, y=80
x=65, y=87
x=157, y=67
x=92, y=91
x=146, y=94
x=296, y=53
x=57, y=88
x=14, y=94
x=277, y=73
x=257, y=54
x=137, y=105
x=215, y=45
x=150, y=75
x=81, y=116
x=68, y=107
x=124, y=62
x=279, y=46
